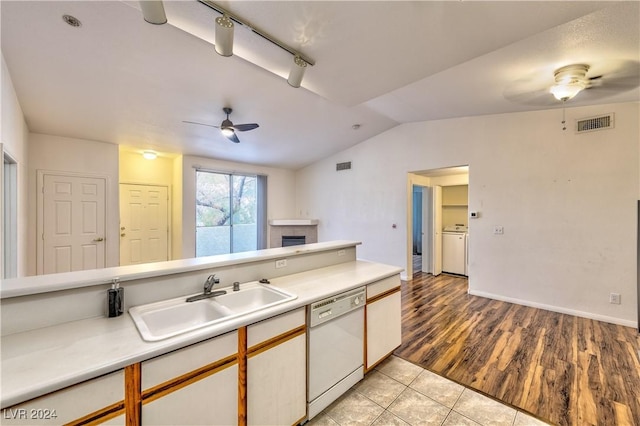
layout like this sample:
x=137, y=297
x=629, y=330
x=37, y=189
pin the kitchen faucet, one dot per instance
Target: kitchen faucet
x=208, y=285
x=210, y=282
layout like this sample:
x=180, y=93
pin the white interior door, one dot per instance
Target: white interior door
x=436, y=215
x=427, y=232
x=73, y=224
x=144, y=224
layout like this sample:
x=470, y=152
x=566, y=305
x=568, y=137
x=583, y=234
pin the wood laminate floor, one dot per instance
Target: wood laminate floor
x=563, y=369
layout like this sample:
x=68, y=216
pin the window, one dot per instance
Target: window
x=230, y=213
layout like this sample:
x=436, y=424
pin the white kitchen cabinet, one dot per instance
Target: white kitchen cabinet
x=101, y=399
x=383, y=319
x=195, y=385
x=276, y=370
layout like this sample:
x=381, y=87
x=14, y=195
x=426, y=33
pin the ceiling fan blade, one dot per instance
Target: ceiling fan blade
x=233, y=138
x=245, y=127
x=200, y=124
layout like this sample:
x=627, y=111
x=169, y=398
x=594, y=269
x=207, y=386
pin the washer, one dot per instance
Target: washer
x=454, y=249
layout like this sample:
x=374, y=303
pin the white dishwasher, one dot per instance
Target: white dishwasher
x=335, y=347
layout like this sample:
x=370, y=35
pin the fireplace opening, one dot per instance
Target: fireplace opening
x=293, y=240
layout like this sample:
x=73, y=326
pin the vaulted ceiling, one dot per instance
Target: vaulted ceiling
x=121, y=80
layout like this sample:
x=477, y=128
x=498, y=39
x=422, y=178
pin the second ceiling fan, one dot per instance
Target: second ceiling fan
x=227, y=128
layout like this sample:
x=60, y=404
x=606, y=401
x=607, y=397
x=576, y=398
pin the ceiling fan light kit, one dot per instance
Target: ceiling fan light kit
x=224, y=36
x=153, y=11
x=227, y=128
x=570, y=81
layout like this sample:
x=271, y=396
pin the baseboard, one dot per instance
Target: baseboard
x=558, y=309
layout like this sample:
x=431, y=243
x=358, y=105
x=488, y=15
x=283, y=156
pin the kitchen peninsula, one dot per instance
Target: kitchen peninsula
x=61, y=353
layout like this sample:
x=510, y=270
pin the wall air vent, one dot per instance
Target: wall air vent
x=595, y=123
x=343, y=166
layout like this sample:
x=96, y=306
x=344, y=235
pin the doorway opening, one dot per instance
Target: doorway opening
x=437, y=201
x=9, y=214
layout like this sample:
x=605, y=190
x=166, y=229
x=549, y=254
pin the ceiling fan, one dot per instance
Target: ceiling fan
x=592, y=82
x=227, y=128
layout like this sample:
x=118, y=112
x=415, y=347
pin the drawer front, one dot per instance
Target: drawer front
x=68, y=404
x=169, y=366
x=272, y=327
x=383, y=285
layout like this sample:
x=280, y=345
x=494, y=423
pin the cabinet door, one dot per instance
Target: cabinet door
x=73, y=403
x=276, y=384
x=277, y=370
x=384, y=330
x=212, y=400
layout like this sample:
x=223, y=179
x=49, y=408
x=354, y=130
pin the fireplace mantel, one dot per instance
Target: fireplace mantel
x=293, y=222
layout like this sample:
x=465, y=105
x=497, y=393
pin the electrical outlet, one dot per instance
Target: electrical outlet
x=282, y=263
x=614, y=298
x=498, y=230
x=341, y=252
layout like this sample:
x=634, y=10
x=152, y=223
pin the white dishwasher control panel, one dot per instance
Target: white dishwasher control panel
x=334, y=306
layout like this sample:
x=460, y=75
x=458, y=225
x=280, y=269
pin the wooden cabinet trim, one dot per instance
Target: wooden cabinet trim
x=132, y=393
x=242, y=376
x=177, y=383
x=383, y=294
x=100, y=416
x=275, y=341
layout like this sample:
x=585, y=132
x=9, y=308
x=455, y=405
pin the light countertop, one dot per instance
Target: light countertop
x=40, y=361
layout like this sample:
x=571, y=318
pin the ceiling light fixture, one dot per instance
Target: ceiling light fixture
x=570, y=81
x=224, y=41
x=224, y=36
x=153, y=11
x=150, y=155
x=297, y=72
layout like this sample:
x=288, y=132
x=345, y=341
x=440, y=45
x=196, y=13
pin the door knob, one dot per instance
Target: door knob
x=122, y=228
x=123, y=234
x=97, y=240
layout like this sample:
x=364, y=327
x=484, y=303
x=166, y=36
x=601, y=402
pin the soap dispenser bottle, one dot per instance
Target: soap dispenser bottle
x=115, y=299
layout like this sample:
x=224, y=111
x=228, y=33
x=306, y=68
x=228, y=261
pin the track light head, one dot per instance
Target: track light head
x=153, y=11
x=224, y=36
x=297, y=72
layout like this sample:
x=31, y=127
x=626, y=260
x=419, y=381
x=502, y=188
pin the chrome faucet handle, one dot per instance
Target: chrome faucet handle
x=236, y=286
x=210, y=282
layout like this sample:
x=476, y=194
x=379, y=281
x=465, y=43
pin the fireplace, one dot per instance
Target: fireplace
x=292, y=232
x=293, y=240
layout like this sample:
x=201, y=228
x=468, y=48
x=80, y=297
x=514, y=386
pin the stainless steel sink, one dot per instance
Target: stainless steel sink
x=168, y=318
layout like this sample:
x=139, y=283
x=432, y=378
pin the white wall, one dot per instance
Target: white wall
x=14, y=139
x=280, y=193
x=567, y=203
x=54, y=153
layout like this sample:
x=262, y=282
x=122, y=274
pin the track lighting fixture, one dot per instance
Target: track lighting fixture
x=153, y=11
x=297, y=72
x=224, y=36
x=224, y=41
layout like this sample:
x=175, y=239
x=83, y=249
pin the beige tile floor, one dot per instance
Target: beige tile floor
x=398, y=392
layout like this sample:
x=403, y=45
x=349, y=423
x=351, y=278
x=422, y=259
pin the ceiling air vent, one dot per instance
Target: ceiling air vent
x=343, y=166
x=595, y=123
